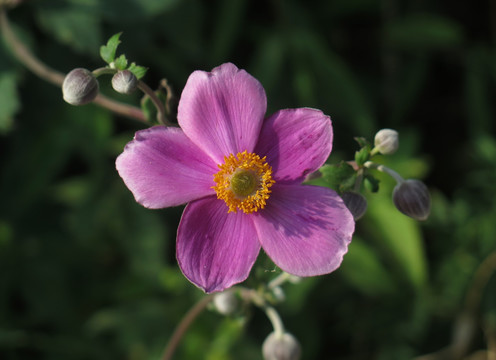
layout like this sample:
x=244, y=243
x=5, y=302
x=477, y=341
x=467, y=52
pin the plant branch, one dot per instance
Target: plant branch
x=183, y=326
x=26, y=57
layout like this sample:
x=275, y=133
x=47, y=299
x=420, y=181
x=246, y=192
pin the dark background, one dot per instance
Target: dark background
x=86, y=273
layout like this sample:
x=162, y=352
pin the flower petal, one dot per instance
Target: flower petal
x=222, y=111
x=305, y=229
x=163, y=168
x=296, y=142
x=215, y=249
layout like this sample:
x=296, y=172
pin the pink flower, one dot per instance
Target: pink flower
x=241, y=176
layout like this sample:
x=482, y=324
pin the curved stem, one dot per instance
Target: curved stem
x=156, y=101
x=183, y=326
x=24, y=55
x=384, y=169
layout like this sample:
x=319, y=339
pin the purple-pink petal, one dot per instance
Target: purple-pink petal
x=215, y=249
x=222, y=111
x=296, y=142
x=163, y=168
x=305, y=229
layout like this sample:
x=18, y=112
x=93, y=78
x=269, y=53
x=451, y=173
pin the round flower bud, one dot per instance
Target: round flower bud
x=226, y=302
x=386, y=141
x=412, y=198
x=355, y=202
x=281, y=347
x=80, y=87
x=125, y=82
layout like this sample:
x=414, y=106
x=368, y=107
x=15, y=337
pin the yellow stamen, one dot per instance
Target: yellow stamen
x=243, y=182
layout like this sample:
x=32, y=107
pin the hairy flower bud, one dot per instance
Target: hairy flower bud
x=226, y=302
x=124, y=82
x=281, y=347
x=386, y=141
x=355, y=202
x=80, y=87
x=412, y=198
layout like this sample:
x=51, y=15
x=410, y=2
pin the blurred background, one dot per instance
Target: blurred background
x=87, y=273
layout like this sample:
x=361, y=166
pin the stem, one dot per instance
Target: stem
x=275, y=319
x=156, y=101
x=258, y=300
x=25, y=57
x=183, y=326
x=384, y=169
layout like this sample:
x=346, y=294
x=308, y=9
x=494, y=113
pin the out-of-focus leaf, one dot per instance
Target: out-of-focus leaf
x=224, y=339
x=477, y=96
x=338, y=86
x=72, y=26
x=134, y=10
x=9, y=102
x=364, y=271
x=399, y=236
x=228, y=25
x=423, y=32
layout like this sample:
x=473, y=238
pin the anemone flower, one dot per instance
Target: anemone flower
x=241, y=175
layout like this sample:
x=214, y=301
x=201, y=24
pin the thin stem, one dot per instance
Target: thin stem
x=272, y=315
x=24, y=55
x=275, y=319
x=384, y=169
x=183, y=326
x=156, y=101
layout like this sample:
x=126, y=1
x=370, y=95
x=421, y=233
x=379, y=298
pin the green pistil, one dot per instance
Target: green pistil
x=243, y=183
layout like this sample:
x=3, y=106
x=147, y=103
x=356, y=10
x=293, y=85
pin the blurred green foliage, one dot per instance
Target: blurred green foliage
x=86, y=273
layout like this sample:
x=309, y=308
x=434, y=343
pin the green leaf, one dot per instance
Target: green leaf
x=73, y=26
x=371, y=183
x=9, y=102
x=107, y=52
x=423, y=32
x=399, y=236
x=138, y=71
x=362, y=155
x=364, y=270
x=339, y=177
x=121, y=62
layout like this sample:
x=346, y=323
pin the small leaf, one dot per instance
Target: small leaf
x=362, y=141
x=138, y=71
x=338, y=176
x=107, y=52
x=121, y=62
x=362, y=155
x=371, y=183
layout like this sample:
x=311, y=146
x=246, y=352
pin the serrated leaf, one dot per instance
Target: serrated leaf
x=121, y=62
x=138, y=71
x=107, y=52
x=362, y=141
x=339, y=175
x=362, y=155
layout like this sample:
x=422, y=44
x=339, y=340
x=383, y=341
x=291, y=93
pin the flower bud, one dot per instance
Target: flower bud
x=80, y=87
x=226, y=302
x=124, y=82
x=386, y=141
x=281, y=347
x=412, y=198
x=355, y=202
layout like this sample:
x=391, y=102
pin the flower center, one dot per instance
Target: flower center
x=243, y=182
